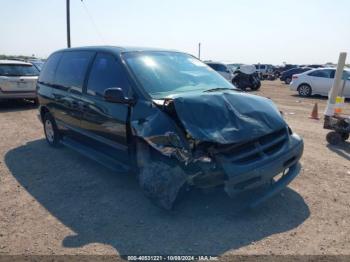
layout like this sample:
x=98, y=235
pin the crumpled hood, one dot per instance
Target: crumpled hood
x=227, y=117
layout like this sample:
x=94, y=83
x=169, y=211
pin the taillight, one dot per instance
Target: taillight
x=295, y=77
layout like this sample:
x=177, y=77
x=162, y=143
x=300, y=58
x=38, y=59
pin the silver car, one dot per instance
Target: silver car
x=18, y=80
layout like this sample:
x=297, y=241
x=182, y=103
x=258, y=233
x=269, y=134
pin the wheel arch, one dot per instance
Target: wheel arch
x=43, y=111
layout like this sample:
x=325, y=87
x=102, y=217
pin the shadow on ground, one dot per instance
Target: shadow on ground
x=104, y=207
x=342, y=150
x=13, y=105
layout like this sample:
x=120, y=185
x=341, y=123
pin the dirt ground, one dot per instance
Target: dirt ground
x=55, y=201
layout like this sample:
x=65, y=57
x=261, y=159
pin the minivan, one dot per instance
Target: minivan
x=167, y=117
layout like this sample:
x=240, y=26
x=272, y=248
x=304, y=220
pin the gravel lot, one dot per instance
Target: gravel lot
x=54, y=201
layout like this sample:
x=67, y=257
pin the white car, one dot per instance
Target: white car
x=17, y=79
x=222, y=68
x=318, y=81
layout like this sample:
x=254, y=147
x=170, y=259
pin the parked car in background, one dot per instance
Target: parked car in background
x=234, y=66
x=18, y=80
x=318, y=81
x=222, y=68
x=169, y=118
x=245, y=76
x=265, y=71
x=279, y=69
x=286, y=76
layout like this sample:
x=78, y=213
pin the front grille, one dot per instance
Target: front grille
x=256, y=149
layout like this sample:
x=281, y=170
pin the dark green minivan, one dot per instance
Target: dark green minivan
x=167, y=117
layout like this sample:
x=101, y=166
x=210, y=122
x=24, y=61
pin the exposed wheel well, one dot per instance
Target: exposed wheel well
x=43, y=111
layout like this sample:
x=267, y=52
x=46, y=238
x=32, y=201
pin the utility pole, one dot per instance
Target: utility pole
x=68, y=23
x=199, y=50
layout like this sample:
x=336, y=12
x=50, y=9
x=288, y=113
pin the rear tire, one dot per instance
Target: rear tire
x=304, y=90
x=51, y=131
x=334, y=138
x=288, y=80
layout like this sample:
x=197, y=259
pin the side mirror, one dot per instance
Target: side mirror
x=116, y=95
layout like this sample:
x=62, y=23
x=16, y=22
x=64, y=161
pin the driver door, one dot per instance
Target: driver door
x=103, y=121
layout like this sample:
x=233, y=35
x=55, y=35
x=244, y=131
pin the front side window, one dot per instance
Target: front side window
x=106, y=72
x=18, y=70
x=72, y=69
x=163, y=73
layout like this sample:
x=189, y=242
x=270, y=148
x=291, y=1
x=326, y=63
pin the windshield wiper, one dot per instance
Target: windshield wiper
x=219, y=89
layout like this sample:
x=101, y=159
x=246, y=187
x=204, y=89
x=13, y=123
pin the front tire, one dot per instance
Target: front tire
x=160, y=182
x=51, y=131
x=304, y=90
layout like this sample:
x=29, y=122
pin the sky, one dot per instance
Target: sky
x=241, y=31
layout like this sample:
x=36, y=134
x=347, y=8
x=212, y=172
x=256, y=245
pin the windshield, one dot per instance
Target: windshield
x=18, y=70
x=166, y=73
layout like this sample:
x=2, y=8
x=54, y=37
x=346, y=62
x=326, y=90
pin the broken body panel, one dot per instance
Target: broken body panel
x=219, y=138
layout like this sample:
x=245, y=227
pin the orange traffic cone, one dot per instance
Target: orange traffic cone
x=314, y=113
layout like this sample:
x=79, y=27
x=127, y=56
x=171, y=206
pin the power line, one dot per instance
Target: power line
x=93, y=22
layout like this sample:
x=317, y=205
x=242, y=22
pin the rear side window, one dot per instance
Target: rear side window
x=106, y=72
x=47, y=74
x=72, y=69
x=18, y=70
x=322, y=73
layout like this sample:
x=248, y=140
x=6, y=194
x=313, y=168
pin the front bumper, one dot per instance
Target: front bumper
x=250, y=176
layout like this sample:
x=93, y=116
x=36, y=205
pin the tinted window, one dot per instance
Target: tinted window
x=48, y=72
x=322, y=73
x=18, y=70
x=72, y=68
x=106, y=72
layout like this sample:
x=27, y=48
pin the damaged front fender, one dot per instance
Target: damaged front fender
x=156, y=128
